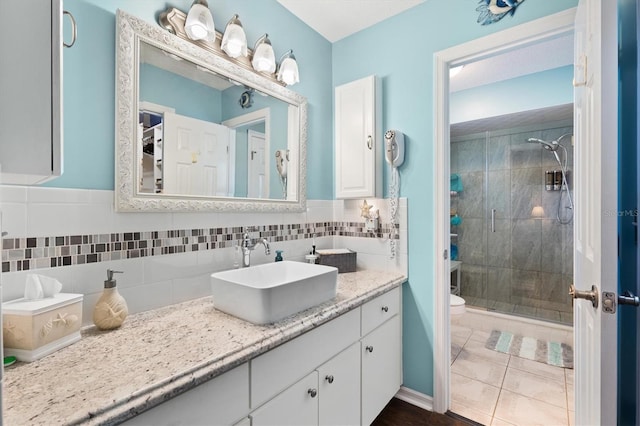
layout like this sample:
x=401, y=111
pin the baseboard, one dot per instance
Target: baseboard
x=415, y=398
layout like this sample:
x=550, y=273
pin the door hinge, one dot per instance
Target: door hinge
x=445, y=254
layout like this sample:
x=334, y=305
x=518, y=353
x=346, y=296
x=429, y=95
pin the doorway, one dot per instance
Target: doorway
x=525, y=35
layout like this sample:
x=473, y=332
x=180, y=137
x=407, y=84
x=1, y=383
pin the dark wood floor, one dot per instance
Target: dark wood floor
x=400, y=413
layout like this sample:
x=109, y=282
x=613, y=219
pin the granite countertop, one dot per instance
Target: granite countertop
x=109, y=376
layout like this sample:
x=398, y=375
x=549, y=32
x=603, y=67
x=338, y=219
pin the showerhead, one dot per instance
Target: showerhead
x=549, y=146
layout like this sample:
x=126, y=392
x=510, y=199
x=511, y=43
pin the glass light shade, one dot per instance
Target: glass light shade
x=288, y=71
x=264, y=59
x=199, y=23
x=234, y=40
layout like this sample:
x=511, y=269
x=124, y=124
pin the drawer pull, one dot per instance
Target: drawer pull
x=385, y=309
x=329, y=379
x=369, y=349
x=312, y=392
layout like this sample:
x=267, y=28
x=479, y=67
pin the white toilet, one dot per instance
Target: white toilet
x=457, y=305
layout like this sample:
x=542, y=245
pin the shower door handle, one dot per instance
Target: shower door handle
x=493, y=220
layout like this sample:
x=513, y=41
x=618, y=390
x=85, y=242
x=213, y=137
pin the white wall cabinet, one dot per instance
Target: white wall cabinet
x=31, y=87
x=358, y=139
x=327, y=376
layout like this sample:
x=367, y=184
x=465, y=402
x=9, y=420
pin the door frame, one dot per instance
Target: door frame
x=256, y=116
x=519, y=36
x=251, y=135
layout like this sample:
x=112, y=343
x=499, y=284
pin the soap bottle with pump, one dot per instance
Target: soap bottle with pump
x=111, y=309
x=312, y=256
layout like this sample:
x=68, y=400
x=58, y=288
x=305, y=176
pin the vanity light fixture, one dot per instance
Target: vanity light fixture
x=264, y=59
x=288, y=69
x=234, y=40
x=199, y=23
x=231, y=44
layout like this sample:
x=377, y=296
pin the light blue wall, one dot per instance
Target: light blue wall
x=498, y=98
x=400, y=51
x=186, y=96
x=89, y=83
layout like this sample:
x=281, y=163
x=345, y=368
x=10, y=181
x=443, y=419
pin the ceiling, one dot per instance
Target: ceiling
x=542, y=56
x=337, y=19
x=509, y=121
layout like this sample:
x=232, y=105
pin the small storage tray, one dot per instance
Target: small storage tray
x=343, y=259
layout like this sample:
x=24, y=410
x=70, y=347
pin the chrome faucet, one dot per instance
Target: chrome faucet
x=248, y=245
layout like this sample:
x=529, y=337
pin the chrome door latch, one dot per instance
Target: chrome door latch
x=609, y=301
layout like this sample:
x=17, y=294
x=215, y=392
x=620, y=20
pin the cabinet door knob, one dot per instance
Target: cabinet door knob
x=385, y=308
x=369, y=349
x=312, y=392
x=329, y=379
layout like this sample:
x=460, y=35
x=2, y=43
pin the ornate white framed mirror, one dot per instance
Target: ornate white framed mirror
x=198, y=131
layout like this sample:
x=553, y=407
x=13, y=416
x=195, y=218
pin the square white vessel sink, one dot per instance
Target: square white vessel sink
x=266, y=293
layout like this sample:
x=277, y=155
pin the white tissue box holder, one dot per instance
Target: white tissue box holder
x=32, y=329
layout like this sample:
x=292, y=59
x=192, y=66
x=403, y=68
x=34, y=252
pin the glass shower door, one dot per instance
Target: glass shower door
x=517, y=256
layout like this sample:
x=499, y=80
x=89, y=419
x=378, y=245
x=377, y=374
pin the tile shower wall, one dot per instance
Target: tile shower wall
x=75, y=236
x=526, y=265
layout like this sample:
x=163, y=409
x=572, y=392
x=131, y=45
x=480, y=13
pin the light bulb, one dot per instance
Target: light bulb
x=288, y=72
x=263, y=57
x=199, y=23
x=234, y=40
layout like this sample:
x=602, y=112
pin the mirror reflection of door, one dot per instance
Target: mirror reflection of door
x=258, y=184
x=195, y=156
x=149, y=151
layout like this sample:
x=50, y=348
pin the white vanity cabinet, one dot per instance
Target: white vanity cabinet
x=339, y=389
x=31, y=88
x=329, y=395
x=358, y=139
x=296, y=406
x=220, y=401
x=381, y=375
x=343, y=372
x=381, y=359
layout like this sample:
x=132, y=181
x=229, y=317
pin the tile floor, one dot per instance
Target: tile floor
x=494, y=388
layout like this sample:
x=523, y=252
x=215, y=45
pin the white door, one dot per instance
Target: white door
x=258, y=183
x=195, y=158
x=595, y=129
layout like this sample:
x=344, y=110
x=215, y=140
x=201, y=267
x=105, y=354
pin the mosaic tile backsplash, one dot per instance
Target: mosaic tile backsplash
x=22, y=254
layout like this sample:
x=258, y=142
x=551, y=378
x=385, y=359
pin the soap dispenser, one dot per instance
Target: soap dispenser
x=111, y=309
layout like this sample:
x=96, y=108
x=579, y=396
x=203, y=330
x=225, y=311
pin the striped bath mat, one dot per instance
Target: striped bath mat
x=552, y=353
